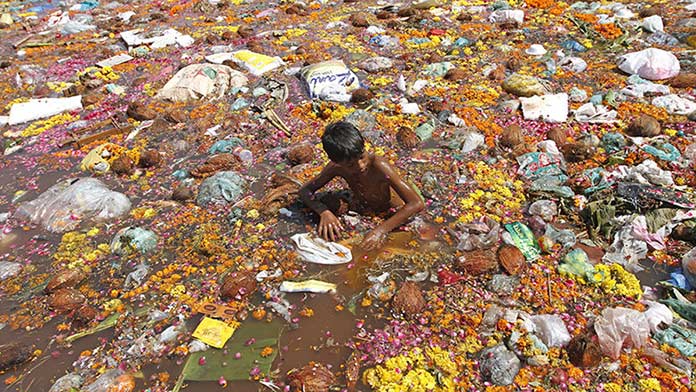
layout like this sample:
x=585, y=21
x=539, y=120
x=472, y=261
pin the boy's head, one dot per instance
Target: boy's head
x=343, y=142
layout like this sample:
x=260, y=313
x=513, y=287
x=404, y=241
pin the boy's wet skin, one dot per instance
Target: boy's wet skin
x=374, y=182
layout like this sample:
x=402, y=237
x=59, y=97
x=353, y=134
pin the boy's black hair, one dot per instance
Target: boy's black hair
x=342, y=142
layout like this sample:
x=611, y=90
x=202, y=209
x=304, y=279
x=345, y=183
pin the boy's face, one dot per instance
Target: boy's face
x=356, y=166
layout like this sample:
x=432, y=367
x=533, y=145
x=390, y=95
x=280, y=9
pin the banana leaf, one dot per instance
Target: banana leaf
x=222, y=363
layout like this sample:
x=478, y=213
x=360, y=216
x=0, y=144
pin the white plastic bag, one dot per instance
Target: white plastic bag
x=675, y=104
x=63, y=206
x=549, y=108
x=591, y=113
x=657, y=314
x=315, y=250
x=376, y=64
x=330, y=80
x=617, y=327
x=9, y=269
x=551, y=330
x=41, y=108
x=198, y=81
x=653, y=24
x=652, y=64
x=506, y=16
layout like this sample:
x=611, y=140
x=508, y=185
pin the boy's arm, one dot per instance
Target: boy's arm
x=329, y=226
x=414, y=204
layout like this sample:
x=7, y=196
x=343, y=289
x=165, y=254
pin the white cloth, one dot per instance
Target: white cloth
x=315, y=250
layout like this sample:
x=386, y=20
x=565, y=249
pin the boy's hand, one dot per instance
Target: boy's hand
x=329, y=226
x=373, y=239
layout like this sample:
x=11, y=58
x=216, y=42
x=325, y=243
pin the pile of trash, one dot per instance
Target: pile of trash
x=153, y=239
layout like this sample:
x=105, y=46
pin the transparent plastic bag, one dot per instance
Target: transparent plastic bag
x=223, y=187
x=499, y=365
x=132, y=239
x=546, y=209
x=551, y=330
x=9, y=269
x=69, y=382
x=63, y=206
x=619, y=327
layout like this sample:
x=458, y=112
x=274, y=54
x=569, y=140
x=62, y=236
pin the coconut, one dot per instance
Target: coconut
x=182, y=193
x=238, y=284
x=313, y=377
x=558, y=136
x=149, y=158
x=645, y=126
x=65, y=279
x=66, y=300
x=512, y=136
x=478, y=262
x=361, y=95
x=122, y=165
x=359, y=20
x=407, y=138
x=512, y=259
x=409, y=300
x=455, y=74
x=301, y=153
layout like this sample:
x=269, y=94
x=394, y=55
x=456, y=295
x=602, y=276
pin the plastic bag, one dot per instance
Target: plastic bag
x=104, y=382
x=546, y=209
x=499, y=365
x=675, y=104
x=688, y=263
x=198, y=81
x=41, y=108
x=68, y=383
x=652, y=64
x=9, y=269
x=524, y=240
x=63, y=206
x=680, y=338
x=591, y=113
x=506, y=16
x=551, y=330
x=330, y=80
x=131, y=239
x=653, y=24
x=481, y=234
x=563, y=237
x=96, y=161
x=315, y=250
x=617, y=327
x=657, y=314
x=257, y=64
x=222, y=187
x=376, y=64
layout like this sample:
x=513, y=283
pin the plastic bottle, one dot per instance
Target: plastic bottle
x=246, y=156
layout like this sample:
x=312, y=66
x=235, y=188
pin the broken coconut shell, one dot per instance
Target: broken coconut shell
x=558, y=136
x=409, y=300
x=140, y=112
x=407, y=138
x=511, y=259
x=313, y=377
x=122, y=165
x=359, y=20
x=66, y=300
x=584, y=351
x=149, y=158
x=182, y=193
x=455, y=74
x=67, y=279
x=512, y=136
x=14, y=354
x=238, y=283
x=478, y=262
x=577, y=152
x=683, y=80
x=361, y=95
x=301, y=153
x=645, y=126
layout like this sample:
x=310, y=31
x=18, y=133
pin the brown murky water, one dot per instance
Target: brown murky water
x=320, y=338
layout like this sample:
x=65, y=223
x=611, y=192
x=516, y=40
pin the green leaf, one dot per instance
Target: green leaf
x=104, y=325
x=218, y=364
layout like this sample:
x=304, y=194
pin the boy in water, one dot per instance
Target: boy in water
x=376, y=185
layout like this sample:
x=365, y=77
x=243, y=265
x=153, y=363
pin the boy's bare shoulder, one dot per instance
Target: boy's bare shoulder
x=382, y=164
